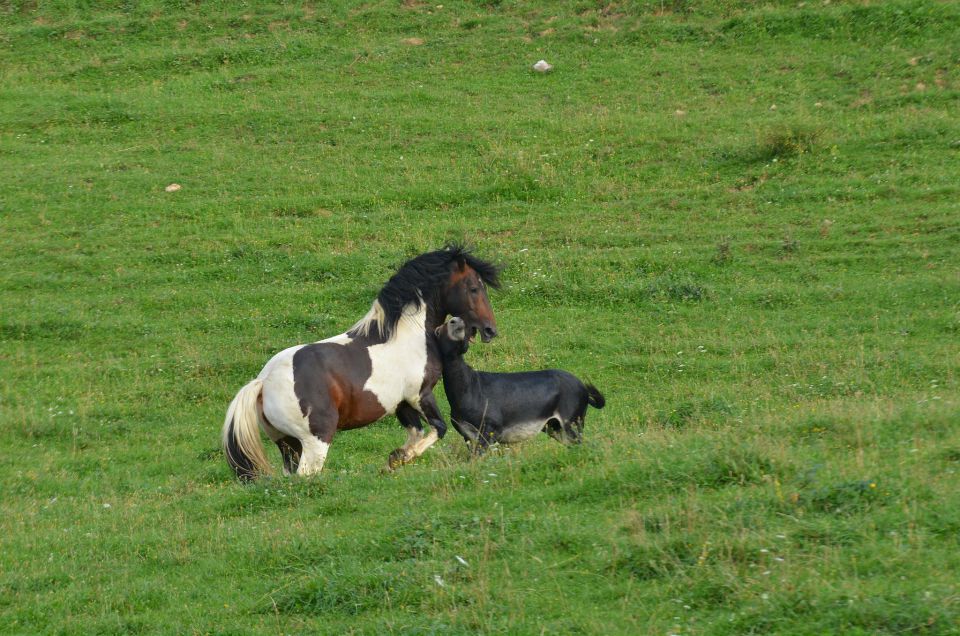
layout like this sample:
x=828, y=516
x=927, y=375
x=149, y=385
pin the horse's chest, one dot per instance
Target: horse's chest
x=397, y=371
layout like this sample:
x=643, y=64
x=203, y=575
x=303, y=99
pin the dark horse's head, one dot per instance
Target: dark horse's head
x=452, y=338
x=449, y=281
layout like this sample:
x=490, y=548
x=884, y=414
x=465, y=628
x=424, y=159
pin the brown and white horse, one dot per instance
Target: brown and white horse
x=386, y=363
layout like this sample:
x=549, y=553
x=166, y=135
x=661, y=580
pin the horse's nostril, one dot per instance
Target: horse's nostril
x=489, y=332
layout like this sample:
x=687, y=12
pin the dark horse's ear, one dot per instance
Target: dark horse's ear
x=461, y=263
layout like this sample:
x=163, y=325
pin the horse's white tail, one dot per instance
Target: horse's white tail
x=241, y=434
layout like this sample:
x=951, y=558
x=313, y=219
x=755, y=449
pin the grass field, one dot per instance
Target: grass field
x=740, y=220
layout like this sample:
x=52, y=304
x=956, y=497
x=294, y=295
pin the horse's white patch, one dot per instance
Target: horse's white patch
x=399, y=364
x=341, y=339
x=414, y=435
x=280, y=404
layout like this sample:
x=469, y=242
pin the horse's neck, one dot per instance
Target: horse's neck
x=412, y=326
x=407, y=348
x=434, y=316
x=457, y=377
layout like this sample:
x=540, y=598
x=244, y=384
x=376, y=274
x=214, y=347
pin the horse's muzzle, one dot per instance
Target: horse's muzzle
x=488, y=333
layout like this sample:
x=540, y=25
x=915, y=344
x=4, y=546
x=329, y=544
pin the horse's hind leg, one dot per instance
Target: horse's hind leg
x=303, y=439
x=290, y=449
x=322, y=424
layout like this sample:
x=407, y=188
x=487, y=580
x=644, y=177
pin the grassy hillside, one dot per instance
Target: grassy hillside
x=740, y=220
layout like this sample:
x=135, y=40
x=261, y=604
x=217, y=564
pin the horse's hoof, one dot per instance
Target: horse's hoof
x=397, y=459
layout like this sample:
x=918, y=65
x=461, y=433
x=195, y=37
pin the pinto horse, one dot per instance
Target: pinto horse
x=386, y=363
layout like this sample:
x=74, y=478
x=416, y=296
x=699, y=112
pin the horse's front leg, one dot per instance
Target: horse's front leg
x=467, y=430
x=410, y=419
x=430, y=410
x=477, y=440
x=417, y=442
x=438, y=427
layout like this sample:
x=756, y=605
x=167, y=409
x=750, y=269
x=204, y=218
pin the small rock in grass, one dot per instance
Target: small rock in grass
x=543, y=66
x=173, y=187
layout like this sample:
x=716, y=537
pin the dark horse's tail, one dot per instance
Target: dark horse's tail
x=594, y=396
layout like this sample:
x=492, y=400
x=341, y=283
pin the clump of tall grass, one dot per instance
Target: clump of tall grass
x=785, y=141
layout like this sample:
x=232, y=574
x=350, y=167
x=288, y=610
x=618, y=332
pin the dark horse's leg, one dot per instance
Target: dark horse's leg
x=486, y=436
x=477, y=439
x=467, y=430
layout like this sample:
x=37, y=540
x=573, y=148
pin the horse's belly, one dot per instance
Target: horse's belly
x=521, y=431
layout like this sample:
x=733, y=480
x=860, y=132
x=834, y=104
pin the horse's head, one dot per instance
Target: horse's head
x=452, y=338
x=466, y=296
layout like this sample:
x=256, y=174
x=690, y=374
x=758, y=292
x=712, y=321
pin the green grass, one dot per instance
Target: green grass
x=738, y=219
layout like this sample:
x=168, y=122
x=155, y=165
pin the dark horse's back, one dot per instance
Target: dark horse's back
x=550, y=390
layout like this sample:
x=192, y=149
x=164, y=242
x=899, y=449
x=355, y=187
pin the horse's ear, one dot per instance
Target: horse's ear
x=461, y=263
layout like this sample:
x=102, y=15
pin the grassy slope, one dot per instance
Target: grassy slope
x=768, y=297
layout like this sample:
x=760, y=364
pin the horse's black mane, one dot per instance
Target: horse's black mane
x=419, y=279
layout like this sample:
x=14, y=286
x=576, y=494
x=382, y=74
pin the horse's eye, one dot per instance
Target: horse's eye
x=474, y=290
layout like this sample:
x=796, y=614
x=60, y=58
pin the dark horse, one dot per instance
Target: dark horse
x=486, y=408
x=386, y=363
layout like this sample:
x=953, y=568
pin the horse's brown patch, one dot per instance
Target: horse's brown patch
x=361, y=409
x=328, y=381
